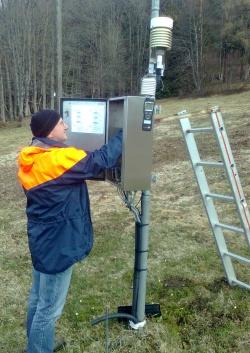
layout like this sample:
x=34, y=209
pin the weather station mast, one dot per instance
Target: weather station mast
x=160, y=42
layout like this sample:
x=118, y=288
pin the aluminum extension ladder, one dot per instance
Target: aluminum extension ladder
x=208, y=197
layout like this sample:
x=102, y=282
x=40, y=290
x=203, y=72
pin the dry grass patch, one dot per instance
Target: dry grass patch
x=200, y=312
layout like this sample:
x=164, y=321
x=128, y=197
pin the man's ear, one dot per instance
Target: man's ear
x=50, y=135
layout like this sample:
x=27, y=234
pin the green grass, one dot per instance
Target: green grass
x=201, y=313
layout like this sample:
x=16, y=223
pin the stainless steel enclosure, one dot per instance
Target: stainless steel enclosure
x=134, y=172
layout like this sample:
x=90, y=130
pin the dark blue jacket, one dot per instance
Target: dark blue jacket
x=59, y=222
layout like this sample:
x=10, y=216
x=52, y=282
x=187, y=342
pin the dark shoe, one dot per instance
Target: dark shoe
x=59, y=344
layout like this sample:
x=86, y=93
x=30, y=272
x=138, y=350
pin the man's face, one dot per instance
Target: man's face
x=59, y=132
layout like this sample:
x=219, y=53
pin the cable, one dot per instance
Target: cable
x=138, y=201
x=128, y=198
x=114, y=316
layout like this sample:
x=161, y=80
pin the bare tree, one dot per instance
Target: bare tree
x=2, y=101
x=105, y=48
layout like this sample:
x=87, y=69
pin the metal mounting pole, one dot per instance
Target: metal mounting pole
x=141, y=257
x=155, y=9
x=141, y=245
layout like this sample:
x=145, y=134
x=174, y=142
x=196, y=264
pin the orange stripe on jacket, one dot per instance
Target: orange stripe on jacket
x=39, y=165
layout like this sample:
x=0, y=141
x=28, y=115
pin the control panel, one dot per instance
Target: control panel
x=147, y=123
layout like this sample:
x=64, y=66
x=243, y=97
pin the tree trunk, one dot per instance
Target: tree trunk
x=44, y=60
x=9, y=92
x=34, y=96
x=52, y=83
x=2, y=100
x=59, y=51
x=246, y=72
x=29, y=65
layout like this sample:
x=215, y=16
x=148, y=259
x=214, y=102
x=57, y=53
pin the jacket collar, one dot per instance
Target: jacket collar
x=45, y=141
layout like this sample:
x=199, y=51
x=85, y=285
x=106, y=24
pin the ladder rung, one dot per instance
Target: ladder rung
x=241, y=284
x=200, y=129
x=209, y=164
x=231, y=228
x=220, y=197
x=238, y=257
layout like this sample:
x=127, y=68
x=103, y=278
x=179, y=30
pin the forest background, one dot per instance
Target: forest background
x=105, y=50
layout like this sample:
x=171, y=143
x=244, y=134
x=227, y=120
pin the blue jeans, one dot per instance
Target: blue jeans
x=46, y=301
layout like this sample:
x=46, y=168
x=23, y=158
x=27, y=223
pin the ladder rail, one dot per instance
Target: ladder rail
x=231, y=171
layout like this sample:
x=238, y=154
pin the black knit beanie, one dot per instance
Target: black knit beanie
x=43, y=122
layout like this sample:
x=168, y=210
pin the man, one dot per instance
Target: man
x=59, y=221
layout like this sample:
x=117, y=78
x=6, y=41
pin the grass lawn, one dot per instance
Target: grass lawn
x=201, y=313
